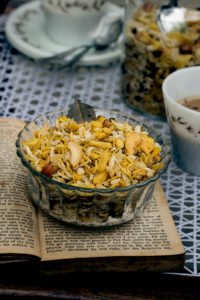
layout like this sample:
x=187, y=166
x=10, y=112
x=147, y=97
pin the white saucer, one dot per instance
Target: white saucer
x=25, y=31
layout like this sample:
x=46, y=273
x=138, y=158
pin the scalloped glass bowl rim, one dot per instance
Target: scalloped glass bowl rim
x=84, y=189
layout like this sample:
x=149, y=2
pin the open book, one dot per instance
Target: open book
x=149, y=242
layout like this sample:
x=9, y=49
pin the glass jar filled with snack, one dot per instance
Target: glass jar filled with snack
x=151, y=52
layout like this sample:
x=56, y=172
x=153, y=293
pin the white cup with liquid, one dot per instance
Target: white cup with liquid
x=181, y=92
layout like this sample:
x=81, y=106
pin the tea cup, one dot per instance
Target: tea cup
x=181, y=93
x=72, y=22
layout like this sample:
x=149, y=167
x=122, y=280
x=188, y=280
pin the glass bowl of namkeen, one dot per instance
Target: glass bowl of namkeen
x=95, y=173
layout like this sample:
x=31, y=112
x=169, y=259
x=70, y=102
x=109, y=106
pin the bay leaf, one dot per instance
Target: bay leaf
x=81, y=112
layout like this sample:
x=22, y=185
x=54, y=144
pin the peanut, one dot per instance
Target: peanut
x=106, y=123
x=49, y=170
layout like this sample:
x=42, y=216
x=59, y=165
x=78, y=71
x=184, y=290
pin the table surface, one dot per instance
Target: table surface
x=28, y=90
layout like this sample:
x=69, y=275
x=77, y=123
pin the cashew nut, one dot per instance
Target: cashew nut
x=76, y=153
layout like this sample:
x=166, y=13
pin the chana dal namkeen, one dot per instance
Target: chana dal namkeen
x=102, y=153
x=151, y=55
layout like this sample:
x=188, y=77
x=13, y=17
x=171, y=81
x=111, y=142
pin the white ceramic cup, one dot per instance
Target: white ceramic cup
x=184, y=123
x=72, y=22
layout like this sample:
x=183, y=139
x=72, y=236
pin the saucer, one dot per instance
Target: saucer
x=25, y=31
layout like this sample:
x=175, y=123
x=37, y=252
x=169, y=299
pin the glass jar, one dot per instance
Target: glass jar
x=151, y=54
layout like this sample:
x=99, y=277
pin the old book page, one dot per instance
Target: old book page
x=151, y=233
x=18, y=218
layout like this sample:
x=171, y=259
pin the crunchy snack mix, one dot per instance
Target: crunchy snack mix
x=102, y=153
x=151, y=55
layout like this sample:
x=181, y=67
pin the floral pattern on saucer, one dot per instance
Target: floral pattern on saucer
x=65, y=7
x=25, y=30
x=20, y=26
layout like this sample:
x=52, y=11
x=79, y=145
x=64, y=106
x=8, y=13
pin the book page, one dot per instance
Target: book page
x=151, y=233
x=18, y=218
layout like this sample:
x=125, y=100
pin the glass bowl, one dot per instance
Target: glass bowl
x=92, y=207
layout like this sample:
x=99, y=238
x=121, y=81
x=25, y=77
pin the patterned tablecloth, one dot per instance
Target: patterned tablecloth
x=28, y=90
